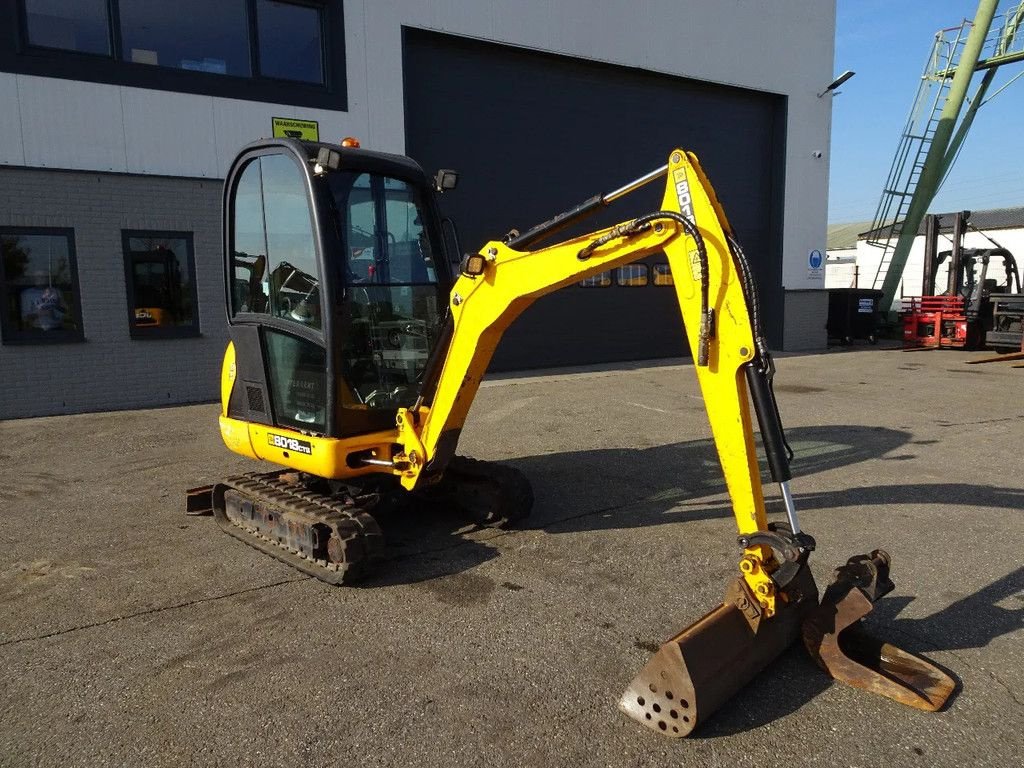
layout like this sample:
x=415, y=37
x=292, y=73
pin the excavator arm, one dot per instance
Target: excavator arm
x=773, y=599
x=714, y=293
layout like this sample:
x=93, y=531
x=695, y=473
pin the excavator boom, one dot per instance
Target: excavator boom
x=499, y=283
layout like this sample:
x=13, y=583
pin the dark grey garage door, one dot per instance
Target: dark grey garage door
x=534, y=134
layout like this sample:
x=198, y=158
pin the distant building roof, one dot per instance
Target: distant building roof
x=844, y=235
x=995, y=218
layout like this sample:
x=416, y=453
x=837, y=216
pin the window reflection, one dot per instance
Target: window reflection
x=663, y=275
x=386, y=240
x=631, y=275
x=394, y=300
x=294, y=287
x=187, y=34
x=273, y=262
x=297, y=370
x=161, y=280
x=600, y=280
x=79, y=26
x=291, y=46
x=391, y=331
x=40, y=285
x=262, y=39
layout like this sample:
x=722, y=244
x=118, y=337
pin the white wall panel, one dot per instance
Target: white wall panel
x=169, y=133
x=12, y=148
x=71, y=124
x=464, y=17
x=385, y=101
x=605, y=30
x=355, y=58
x=538, y=29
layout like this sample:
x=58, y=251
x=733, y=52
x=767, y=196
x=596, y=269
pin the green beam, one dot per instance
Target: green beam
x=1001, y=57
x=931, y=174
x=998, y=61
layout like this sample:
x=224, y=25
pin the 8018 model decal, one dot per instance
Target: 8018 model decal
x=290, y=443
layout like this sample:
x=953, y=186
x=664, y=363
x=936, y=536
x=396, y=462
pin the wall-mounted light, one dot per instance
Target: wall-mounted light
x=831, y=87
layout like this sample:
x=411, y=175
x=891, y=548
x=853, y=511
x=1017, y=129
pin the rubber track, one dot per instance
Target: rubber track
x=515, y=492
x=362, y=537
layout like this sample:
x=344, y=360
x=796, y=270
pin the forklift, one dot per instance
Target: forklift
x=961, y=316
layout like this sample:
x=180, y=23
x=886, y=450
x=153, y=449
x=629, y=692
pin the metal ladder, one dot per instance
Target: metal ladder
x=915, y=141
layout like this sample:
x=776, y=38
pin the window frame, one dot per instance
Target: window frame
x=174, y=332
x=19, y=337
x=324, y=264
x=19, y=56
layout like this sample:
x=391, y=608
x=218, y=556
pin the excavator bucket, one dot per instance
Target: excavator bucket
x=843, y=649
x=692, y=674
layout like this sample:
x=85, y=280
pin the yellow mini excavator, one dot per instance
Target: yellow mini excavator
x=358, y=345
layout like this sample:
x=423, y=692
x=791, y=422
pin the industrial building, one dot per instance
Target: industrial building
x=853, y=262
x=120, y=118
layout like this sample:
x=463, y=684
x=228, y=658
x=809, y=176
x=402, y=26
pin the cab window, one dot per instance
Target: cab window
x=394, y=301
x=273, y=260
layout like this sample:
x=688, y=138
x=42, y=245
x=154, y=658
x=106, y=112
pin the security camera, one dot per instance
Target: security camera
x=816, y=154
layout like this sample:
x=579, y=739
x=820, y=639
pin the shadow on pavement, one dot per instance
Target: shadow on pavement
x=881, y=495
x=972, y=621
x=572, y=487
x=625, y=488
x=606, y=489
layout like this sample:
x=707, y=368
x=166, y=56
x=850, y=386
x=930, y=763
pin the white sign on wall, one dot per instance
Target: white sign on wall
x=815, y=265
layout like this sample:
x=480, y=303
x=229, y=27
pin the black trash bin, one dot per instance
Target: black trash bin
x=853, y=314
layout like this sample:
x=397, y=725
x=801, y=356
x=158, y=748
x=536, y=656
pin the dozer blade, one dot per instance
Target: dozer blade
x=852, y=656
x=692, y=674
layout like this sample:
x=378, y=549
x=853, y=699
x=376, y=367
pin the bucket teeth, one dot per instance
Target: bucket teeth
x=842, y=648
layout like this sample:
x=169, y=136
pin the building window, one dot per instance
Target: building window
x=631, y=275
x=600, y=280
x=159, y=270
x=188, y=34
x=279, y=51
x=81, y=26
x=39, y=286
x=663, y=275
x=291, y=41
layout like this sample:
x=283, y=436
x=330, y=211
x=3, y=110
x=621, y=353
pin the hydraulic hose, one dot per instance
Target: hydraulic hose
x=760, y=379
x=642, y=223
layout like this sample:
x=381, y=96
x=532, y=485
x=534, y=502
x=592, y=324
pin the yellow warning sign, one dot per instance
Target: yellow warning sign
x=290, y=128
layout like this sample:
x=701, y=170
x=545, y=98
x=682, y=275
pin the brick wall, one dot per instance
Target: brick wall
x=110, y=370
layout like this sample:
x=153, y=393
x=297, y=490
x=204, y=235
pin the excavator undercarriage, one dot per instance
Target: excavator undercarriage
x=354, y=364
x=328, y=530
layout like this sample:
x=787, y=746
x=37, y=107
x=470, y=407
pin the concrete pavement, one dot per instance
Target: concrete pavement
x=133, y=635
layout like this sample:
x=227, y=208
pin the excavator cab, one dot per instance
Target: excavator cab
x=337, y=282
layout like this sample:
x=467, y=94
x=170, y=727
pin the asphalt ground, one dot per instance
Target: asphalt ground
x=131, y=634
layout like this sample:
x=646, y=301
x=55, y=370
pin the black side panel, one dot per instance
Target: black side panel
x=534, y=134
x=250, y=400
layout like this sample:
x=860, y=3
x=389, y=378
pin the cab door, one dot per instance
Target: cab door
x=276, y=306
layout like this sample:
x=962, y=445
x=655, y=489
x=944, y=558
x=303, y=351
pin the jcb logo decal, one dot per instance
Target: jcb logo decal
x=683, y=192
x=290, y=443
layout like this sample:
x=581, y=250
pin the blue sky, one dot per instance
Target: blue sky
x=886, y=42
